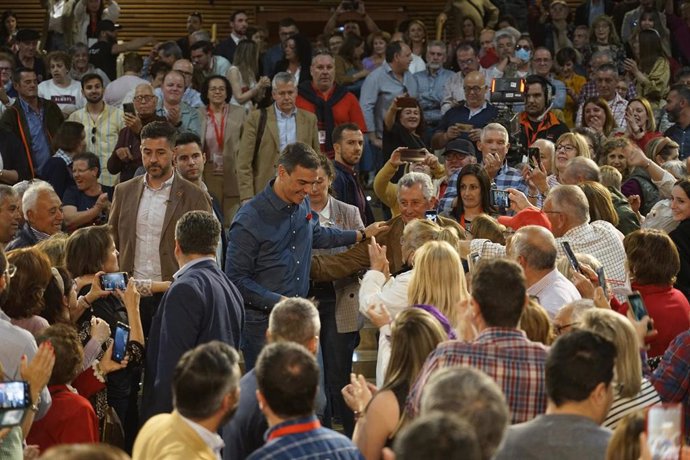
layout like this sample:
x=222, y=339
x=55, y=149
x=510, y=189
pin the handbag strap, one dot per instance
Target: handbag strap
x=260, y=131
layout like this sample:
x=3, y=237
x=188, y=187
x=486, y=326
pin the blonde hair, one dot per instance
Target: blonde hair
x=419, y=231
x=431, y=285
x=536, y=323
x=579, y=141
x=610, y=177
x=485, y=226
x=618, y=329
x=600, y=202
x=55, y=248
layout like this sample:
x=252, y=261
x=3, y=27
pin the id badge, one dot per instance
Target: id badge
x=322, y=136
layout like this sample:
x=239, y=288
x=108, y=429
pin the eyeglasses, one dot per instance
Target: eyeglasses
x=473, y=89
x=467, y=62
x=217, y=89
x=80, y=171
x=11, y=270
x=523, y=47
x=567, y=148
x=145, y=98
x=5, y=69
x=559, y=329
x=93, y=135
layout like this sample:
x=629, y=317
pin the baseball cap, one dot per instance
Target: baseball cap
x=27, y=35
x=525, y=217
x=460, y=146
x=106, y=25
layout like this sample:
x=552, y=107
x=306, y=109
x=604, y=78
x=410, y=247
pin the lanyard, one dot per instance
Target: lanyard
x=220, y=132
x=532, y=136
x=294, y=429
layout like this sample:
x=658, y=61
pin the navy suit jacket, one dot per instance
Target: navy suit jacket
x=201, y=305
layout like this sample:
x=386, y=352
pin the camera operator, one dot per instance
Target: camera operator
x=538, y=121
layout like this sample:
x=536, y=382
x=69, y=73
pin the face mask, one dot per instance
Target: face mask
x=523, y=54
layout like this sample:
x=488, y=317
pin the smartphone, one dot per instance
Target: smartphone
x=602, y=280
x=665, y=430
x=500, y=198
x=121, y=339
x=637, y=304
x=114, y=281
x=128, y=107
x=431, y=215
x=15, y=399
x=412, y=155
x=464, y=127
x=472, y=260
x=571, y=256
x=406, y=102
x=534, y=157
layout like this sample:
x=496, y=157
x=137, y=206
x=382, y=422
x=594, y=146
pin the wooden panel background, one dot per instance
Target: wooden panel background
x=165, y=19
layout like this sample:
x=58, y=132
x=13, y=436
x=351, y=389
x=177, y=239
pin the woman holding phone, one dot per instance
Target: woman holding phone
x=403, y=126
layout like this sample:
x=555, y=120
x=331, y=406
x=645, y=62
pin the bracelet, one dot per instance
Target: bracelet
x=97, y=371
x=364, y=234
x=533, y=196
x=34, y=408
x=358, y=414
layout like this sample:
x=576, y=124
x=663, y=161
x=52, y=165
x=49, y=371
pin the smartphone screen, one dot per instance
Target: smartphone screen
x=571, y=256
x=637, y=304
x=114, y=281
x=128, y=107
x=665, y=430
x=431, y=215
x=121, y=339
x=534, y=156
x=602, y=279
x=14, y=401
x=500, y=198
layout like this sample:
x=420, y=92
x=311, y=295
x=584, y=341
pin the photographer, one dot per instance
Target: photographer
x=403, y=126
x=348, y=11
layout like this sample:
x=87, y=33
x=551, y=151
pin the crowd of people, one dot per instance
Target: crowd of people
x=522, y=255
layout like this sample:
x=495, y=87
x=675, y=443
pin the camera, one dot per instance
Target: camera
x=350, y=5
x=500, y=198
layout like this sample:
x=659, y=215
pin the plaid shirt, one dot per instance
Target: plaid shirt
x=504, y=354
x=617, y=106
x=507, y=177
x=590, y=90
x=672, y=377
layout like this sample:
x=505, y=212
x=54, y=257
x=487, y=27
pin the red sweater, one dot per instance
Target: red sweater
x=670, y=311
x=70, y=420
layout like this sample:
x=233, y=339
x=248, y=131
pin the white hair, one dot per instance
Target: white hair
x=282, y=78
x=31, y=195
x=412, y=178
x=494, y=127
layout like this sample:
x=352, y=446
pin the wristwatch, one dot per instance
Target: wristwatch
x=364, y=234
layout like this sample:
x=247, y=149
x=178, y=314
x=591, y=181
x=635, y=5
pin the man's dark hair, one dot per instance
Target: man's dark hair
x=207, y=82
x=187, y=137
x=198, y=232
x=682, y=90
x=299, y=154
x=234, y=15
x=467, y=46
x=608, y=67
x=171, y=48
x=17, y=73
x=392, y=49
x=68, y=136
x=132, y=62
x=204, y=45
x=287, y=22
x=437, y=436
x=92, y=161
x=203, y=377
x=565, y=55
x=158, y=129
x=159, y=67
x=577, y=362
x=499, y=307
x=541, y=81
x=338, y=131
x=683, y=72
x=287, y=375
x=90, y=76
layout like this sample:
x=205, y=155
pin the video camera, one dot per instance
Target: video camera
x=505, y=93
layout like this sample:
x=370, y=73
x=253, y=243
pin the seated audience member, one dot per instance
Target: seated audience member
x=297, y=54
x=641, y=125
x=566, y=147
x=606, y=79
x=485, y=226
x=600, y=203
x=495, y=315
x=596, y=115
x=662, y=150
x=190, y=96
x=126, y=157
x=171, y=106
x=87, y=202
x=218, y=312
x=205, y=394
x=376, y=42
x=680, y=208
x=536, y=323
x=61, y=88
x=24, y=302
x=349, y=70
x=69, y=141
x=117, y=91
x=71, y=418
x=534, y=248
x=579, y=373
x=653, y=262
x=43, y=216
x=631, y=392
x=437, y=436
x=292, y=320
x=570, y=315
x=473, y=187
x=413, y=335
x=10, y=214
x=472, y=396
x=287, y=378
x=204, y=61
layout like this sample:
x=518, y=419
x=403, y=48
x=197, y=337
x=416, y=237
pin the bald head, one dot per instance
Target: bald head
x=186, y=68
x=579, y=170
x=534, y=247
x=475, y=89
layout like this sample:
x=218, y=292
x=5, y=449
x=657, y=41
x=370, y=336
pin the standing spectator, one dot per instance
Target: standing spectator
x=191, y=96
x=60, y=88
x=297, y=51
x=474, y=187
x=103, y=53
x=81, y=65
x=332, y=104
x=239, y=22
x=34, y=121
x=678, y=111
x=606, y=78
x=248, y=86
x=287, y=27
x=377, y=43
x=603, y=37
x=468, y=62
x=587, y=13
x=263, y=141
x=8, y=30
x=483, y=13
x=102, y=122
x=10, y=214
x=431, y=83
x=566, y=58
x=206, y=62
x=287, y=378
x=195, y=22
x=349, y=70
x=205, y=390
x=579, y=372
x=70, y=140
x=201, y=306
x=27, y=54
x=403, y=127
x=415, y=35
x=171, y=106
x=348, y=142
x=595, y=114
x=87, y=202
x=542, y=65
x=631, y=20
x=87, y=15
x=680, y=207
x=43, y=216
x=116, y=92
x=641, y=125
x=650, y=68
x=221, y=143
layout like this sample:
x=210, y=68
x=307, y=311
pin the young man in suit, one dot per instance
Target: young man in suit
x=201, y=305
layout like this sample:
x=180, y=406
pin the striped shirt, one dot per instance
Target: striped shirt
x=624, y=406
x=506, y=355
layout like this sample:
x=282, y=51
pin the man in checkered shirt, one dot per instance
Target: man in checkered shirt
x=500, y=349
x=606, y=79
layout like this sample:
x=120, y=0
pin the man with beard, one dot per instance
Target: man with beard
x=101, y=121
x=348, y=142
x=103, y=53
x=205, y=389
x=87, y=202
x=10, y=214
x=432, y=81
x=239, y=22
x=678, y=110
x=537, y=121
x=333, y=105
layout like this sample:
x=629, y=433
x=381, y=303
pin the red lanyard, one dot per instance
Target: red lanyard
x=220, y=133
x=294, y=429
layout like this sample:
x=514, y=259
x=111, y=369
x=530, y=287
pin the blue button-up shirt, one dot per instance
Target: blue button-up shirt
x=287, y=127
x=378, y=91
x=430, y=87
x=269, y=248
x=40, y=147
x=682, y=138
x=189, y=117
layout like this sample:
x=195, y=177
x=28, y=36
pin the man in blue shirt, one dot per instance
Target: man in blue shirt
x=287, y=377
x=432, y=81
x=270, y=243
x=678, y=110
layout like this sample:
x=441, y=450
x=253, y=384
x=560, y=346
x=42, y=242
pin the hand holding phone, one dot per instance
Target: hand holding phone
x=15, y=399
x=128, y=107
x=412, y=155
x=120, y=343
x=500, y=198
x=665, y=430
x=571, y=256
x=114, y=281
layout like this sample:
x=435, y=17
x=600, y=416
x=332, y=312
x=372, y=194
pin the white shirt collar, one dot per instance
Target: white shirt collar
x=167, y=183
x=212, y=440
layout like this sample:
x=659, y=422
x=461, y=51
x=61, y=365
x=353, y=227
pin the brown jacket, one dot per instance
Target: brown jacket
x=330, y=268
x=184, y=196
